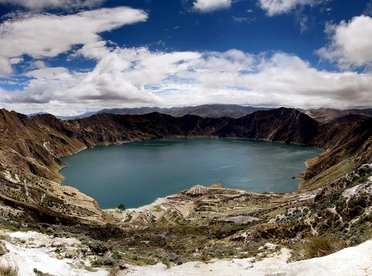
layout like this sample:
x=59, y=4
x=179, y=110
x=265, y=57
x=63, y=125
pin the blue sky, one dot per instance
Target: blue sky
x=73, y=56
x=172, y=25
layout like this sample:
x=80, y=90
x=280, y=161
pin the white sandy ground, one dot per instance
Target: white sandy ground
x=29, y=250
x=158, y=201
x=353, y=261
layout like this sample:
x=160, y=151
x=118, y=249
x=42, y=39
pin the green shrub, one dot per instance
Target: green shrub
x=121, y=207
x=97, y=247
x=108, y=259
x=40, y=273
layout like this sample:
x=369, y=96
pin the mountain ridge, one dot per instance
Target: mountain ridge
x=208, y=110
x=322, y=115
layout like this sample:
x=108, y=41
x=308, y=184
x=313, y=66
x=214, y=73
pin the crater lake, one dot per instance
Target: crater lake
x=138, y=173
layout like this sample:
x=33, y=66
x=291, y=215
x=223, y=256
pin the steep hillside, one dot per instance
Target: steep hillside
x=346, y=144
x=284, y=125
x=29, y=160
x=325, y=115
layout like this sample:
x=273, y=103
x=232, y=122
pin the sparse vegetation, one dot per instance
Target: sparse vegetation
x=40, y=273
x=318, y=247
x=108, y=259
x=8, y=269
x=97, y=247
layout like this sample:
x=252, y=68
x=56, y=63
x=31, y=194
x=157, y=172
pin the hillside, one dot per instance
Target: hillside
x=326, y=115
x=334, y=199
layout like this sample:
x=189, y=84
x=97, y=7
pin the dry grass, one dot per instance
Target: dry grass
x=318, y=247
x=8, y=269
x=327, y=176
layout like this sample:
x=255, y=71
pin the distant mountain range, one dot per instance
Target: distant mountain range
x=205, y=111
x=323, y=115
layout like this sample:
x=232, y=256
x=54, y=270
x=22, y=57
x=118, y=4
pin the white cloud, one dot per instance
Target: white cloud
x=50, y=4
x=140, y=77
x=275, y=7
x=211, y=5
x=351, y=43
x=5, y=66
x=48, y=35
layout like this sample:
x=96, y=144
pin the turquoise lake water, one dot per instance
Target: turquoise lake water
x=136, y=174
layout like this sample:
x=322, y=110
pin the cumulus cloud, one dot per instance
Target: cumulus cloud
x=133, y=77
x=275, y=7
x=140, y=77
x=350, y=43
x=211, y=5
x=52, y=4
x=47, y=35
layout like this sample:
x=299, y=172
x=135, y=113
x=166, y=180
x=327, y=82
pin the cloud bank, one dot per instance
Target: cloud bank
x=140, y=77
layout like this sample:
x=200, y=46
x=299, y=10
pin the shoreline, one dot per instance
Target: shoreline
x=298, y=177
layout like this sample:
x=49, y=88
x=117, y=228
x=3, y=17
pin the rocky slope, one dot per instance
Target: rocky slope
x=217, y=222
x=326, y=115
x=200, y=223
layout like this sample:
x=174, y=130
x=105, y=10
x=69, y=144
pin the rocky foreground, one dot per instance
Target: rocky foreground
x=32, y=253
x=330, y=211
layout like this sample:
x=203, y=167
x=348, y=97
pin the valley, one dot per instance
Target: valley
x=200, y=223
